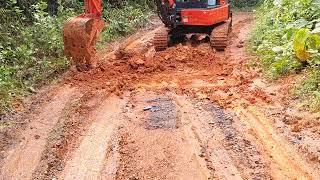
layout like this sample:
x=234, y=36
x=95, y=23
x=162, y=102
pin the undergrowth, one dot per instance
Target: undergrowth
x=286, y=38
x=31, y=51
x=244, y=5
x=122, y=20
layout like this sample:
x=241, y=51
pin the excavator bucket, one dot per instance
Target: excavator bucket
x=79, y=36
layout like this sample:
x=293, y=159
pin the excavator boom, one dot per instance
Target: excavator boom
x=93, y=7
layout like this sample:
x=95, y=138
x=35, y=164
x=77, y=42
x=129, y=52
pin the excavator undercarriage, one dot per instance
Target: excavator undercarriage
x=208, y=17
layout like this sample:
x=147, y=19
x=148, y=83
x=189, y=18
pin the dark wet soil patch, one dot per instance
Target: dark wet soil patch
x=162, y=113
x=241, y=149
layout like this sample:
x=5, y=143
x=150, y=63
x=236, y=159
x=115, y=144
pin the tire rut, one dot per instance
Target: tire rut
x=88, y=159
x=28, y=152
x=228, y=149
x=285, y=160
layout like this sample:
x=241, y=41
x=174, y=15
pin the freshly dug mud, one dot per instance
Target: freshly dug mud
x=120, y=74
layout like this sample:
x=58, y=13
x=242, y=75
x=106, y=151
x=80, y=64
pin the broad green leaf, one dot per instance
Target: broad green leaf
x=299, y=40
x=299, y=44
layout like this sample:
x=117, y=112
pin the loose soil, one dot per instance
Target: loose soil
x=184, y=113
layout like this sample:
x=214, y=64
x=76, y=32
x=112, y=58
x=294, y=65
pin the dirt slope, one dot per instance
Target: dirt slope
x=184, y=113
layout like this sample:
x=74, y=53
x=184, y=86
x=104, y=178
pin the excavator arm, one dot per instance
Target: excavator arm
x=80, y=34
x=92, y=8
x=166, y=11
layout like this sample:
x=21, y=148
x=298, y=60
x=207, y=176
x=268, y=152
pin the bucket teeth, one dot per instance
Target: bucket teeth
x=220, y=35
x=160, y=40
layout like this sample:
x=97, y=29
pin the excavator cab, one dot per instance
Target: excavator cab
x=194, y=3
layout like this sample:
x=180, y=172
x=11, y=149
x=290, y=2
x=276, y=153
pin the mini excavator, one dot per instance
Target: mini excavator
x=180, y=17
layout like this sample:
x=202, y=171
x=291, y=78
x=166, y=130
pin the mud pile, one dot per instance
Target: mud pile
x=120, y=73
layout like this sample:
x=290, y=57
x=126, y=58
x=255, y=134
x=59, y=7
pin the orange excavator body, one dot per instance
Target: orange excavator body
x=205, y=17
x=181, y=17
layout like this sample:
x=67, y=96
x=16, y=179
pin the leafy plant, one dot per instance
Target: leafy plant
x=286, y=37
x=244, y=4
x=305, y=43
x=120, y=21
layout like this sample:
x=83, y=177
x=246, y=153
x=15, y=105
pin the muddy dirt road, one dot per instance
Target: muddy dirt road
x=184, y=113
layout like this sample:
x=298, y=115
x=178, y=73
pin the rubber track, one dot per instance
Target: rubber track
x=220, y=36
x=160, y=40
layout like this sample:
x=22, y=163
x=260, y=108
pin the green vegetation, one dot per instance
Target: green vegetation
x=121, y=20
x=31, y=47
x=286, y=39
x=244, y=4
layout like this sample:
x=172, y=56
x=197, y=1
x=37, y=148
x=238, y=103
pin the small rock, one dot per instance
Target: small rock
x=313, y=157
x=139, y=61
x=108, y=83
x=272, y=93
x=37, y=136
x=133, y=177
x=167, y=57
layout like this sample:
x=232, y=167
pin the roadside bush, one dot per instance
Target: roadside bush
x=244, y=4
x=309, y=89
x=120, y=21
x=30, y=52
x=286, y=37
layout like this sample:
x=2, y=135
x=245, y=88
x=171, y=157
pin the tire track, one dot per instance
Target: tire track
x=286, y=162
x=23, y=159
x=226, y=147
x=88, y=159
